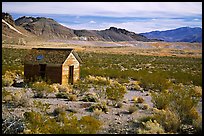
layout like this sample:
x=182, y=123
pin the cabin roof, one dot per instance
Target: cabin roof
x=50, y=55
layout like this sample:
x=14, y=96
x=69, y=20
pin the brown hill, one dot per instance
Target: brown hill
x=45, y=27
x=12, y=33
x=117, y=34
x=50, y=29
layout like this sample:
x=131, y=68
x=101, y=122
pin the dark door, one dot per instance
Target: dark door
x=42, y=70
x=71, y=74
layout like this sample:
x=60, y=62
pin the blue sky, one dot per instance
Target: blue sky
x=134, y=16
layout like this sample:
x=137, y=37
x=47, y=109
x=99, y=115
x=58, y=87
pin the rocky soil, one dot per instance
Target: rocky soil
x=115, y=121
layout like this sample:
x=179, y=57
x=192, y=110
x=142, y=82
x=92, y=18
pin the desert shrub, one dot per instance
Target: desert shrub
x=41, y=89
x=42, y=107
x=181, y=103
x=89, y=125
x=62, y=88
x=21, y=99
x=62, y=95
x=140, y=100
x=5, y=93
x=90, y=97
x=197, y=91
x=135, y=85
x=96, y=113
x=145, y=107
x=72, y=97
x=16, y=99
x=82, y=86
x=8, y=78
x=197, y=124
x=161, y=100
x=99, y=106
x=132, y=109
x=151, y=127
x=147, y=118
x=185, y=103
x=134, y=99
x=168, y=119
x=115, y=91
x=97, y=80
x=58, y=110
x=37, y=123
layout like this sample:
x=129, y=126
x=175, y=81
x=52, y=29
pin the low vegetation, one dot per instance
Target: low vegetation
x=41, y=89
x=175, y=84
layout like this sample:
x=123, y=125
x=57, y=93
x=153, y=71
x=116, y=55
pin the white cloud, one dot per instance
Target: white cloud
x=158, y=13
x=92, y=22
x=139, y=27
x=113, y=9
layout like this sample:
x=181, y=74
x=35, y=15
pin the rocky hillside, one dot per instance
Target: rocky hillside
x=45, y=27
x=183, y=34
x=117, y=34
x=49, y=28
x=12, y=33
x=8, y=18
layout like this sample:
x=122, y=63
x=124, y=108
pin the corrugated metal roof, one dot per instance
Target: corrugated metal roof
x=49, y=55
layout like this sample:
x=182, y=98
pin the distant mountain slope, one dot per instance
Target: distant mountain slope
x=117, y=34
x=183, y=34
x=12, y=33
x=45, y=27
x=90, y=35
x=49, y=28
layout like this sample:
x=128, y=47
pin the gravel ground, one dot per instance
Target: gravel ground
x=116, y=121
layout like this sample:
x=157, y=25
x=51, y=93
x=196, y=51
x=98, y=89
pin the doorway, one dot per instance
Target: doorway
x=71, y=74
x=42, y=70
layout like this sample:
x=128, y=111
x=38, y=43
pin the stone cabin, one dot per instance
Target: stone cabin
x=59, y=65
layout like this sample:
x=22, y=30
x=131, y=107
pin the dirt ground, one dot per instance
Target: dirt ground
x=115, y=121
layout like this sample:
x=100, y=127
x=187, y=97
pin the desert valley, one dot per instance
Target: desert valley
x=145, y=83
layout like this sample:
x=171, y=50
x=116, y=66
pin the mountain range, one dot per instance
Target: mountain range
x=182, y=34
x=47, y=28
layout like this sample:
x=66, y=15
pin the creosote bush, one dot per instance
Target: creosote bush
x=41, y=89
x=97, y=80
x=81, y=86
x=16, y=99
x=145, y=107
x=168, y=119
x=62, y=95
x=8, y=78
x=134, y=85
x=62, y=88
x=58, y=110
x=72, y=97
x=100, y=106
x=90, y=97
x=179, y=106
x=115, y=91
x=37, y=123
x=151, y=127
x=140, y=100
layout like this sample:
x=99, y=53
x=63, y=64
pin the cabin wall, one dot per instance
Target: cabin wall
x=70, y=61
x=52, y=72
x=31, y=71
